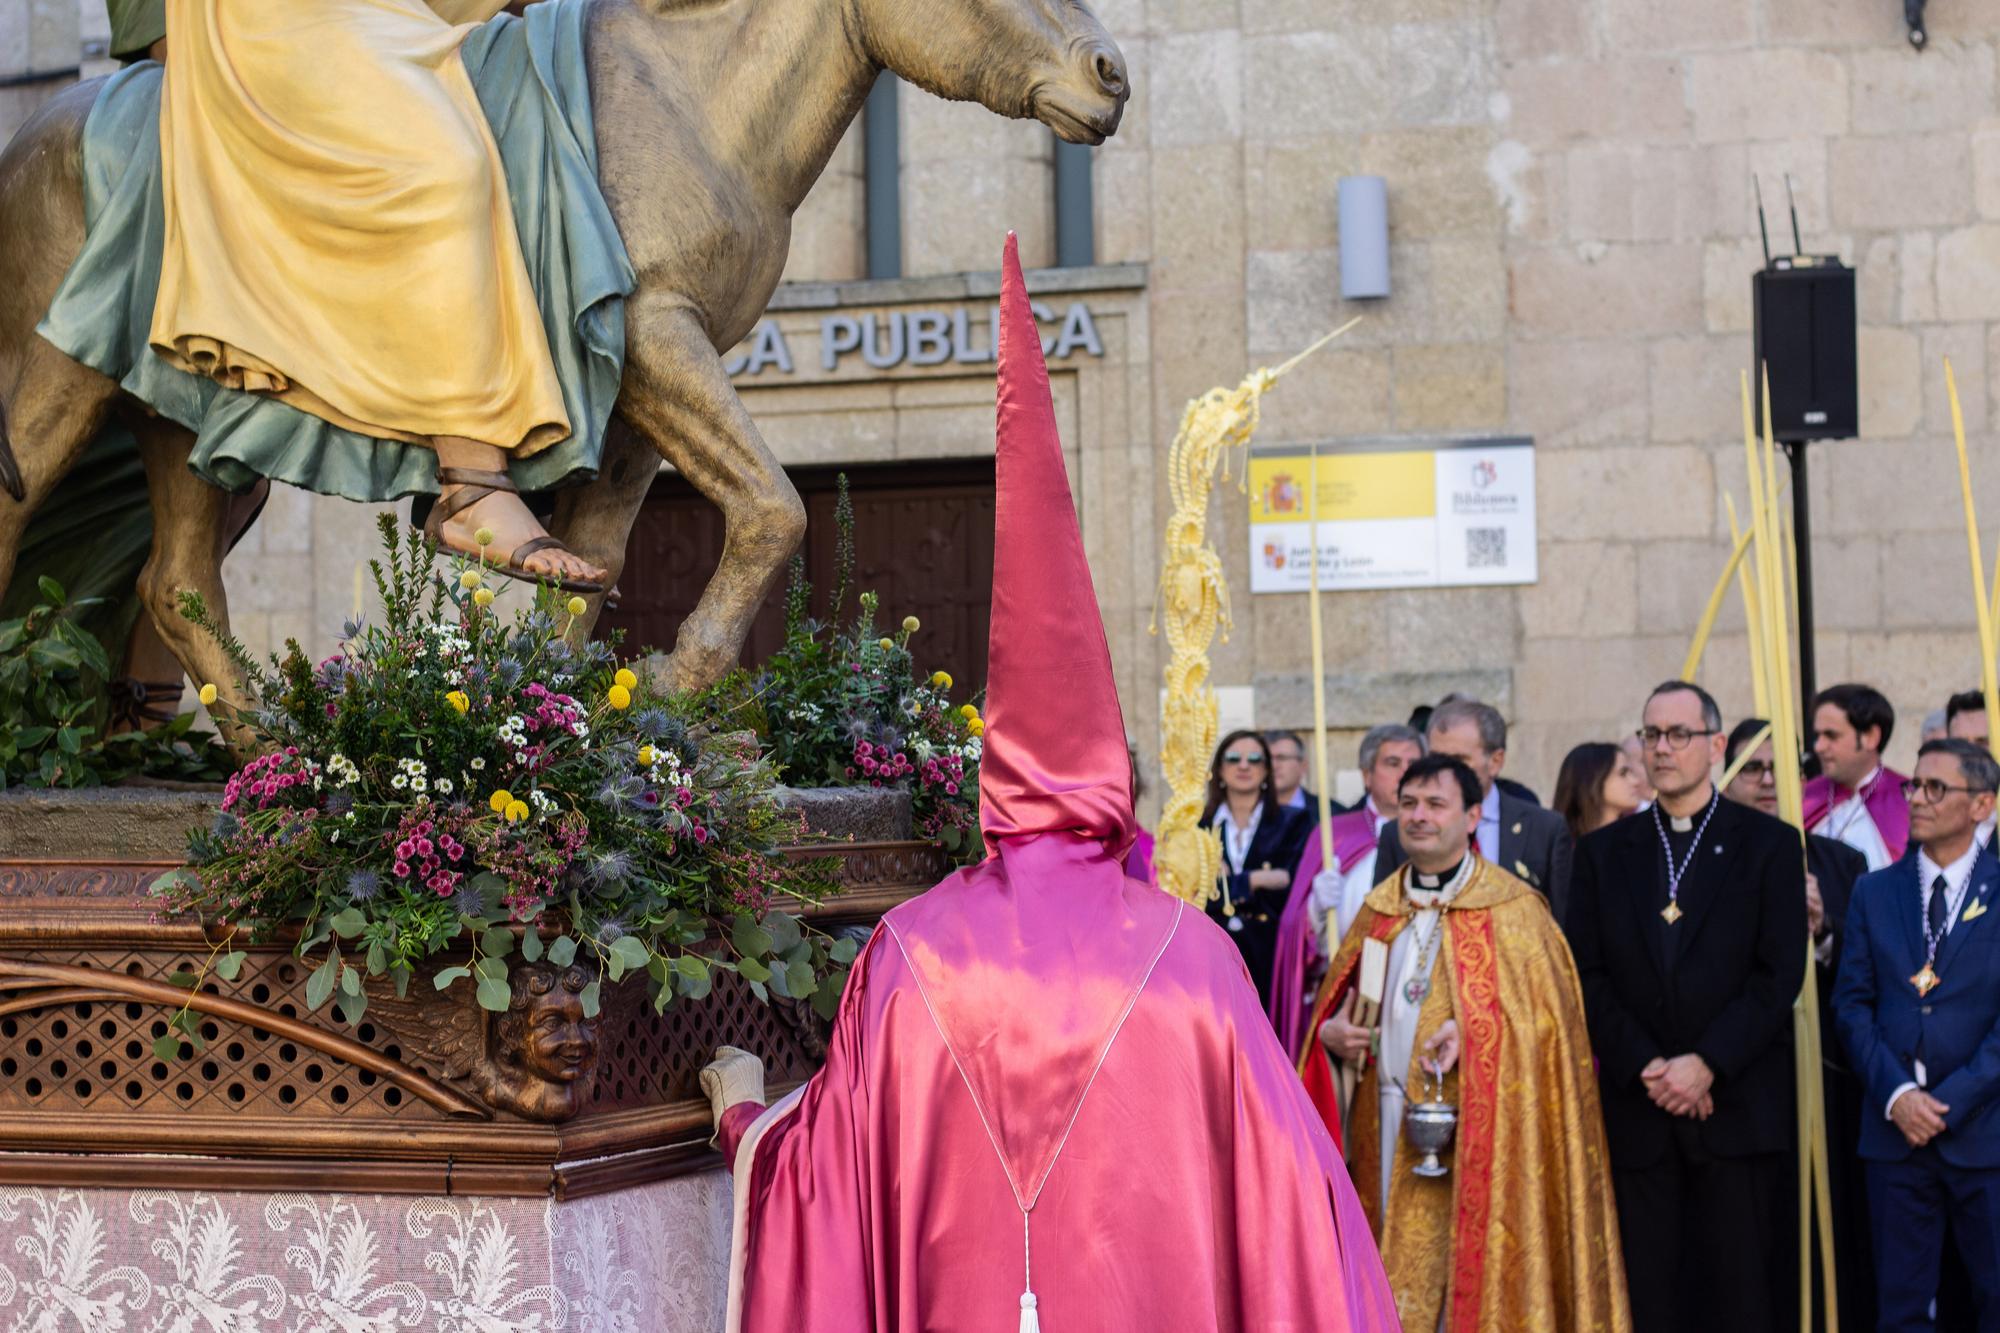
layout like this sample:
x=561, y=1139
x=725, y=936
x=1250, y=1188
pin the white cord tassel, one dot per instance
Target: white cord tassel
x=1031, y=1322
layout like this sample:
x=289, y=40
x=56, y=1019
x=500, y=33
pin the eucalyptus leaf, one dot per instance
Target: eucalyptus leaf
x=826, y=1001
x=494, y=995
x=350, y=980
x=400, y=974
x=589, y=998
x=497, y=942
x=167, y=1047
x=563, y=951
x=230, y=965
x=320, y=985
x=784, y=931
x=761, y=991
x=753, y=971
x=631, y=950
x=843, y=950
x=751, y=940
x=491, y=969
x=352, y=1007
x=349, y=922
x=531, y=945
x=185, y=980
x=448, y=975
x=799, y=980
x=378, y=958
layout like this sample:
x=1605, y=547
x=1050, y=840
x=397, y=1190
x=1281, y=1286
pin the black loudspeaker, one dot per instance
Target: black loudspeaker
x=1804, y=312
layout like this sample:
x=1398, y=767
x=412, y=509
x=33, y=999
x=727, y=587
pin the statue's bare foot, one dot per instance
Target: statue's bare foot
x=512, y=526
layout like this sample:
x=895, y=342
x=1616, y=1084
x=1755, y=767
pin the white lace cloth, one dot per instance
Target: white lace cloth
x=654, y=1259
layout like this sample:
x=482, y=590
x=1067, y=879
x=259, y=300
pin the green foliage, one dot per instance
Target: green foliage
x=54, y=693
x=449, y=781
x=845, y=707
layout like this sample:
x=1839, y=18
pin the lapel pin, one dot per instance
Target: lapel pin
x=1978, y=909
x=1517, y=826
x=1718, y=850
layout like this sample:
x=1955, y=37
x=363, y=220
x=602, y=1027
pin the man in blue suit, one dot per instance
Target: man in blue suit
x=1918, y=1006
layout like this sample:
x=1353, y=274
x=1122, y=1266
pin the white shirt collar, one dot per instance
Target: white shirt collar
x=1955, y=875
x=1489, y=809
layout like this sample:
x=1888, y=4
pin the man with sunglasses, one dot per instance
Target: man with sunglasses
x=1687, y=922
x=1918, y=1004
x=1832, y=868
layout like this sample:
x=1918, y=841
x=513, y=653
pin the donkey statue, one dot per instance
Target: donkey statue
x=714, y=119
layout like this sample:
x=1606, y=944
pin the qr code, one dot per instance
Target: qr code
x=1486, y=548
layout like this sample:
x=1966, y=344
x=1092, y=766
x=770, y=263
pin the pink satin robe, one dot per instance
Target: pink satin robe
x=1197, y=1190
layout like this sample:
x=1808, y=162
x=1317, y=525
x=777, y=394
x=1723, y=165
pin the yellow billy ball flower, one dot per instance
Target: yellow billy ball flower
x=885, y=643
x=484, y=597
x=500, y=800
x=577, y=606
x=941, y=679
x=626, y=678
x=484, y=536
x=457, y=699
x=976, y=727
x=620, y=697
x=911, y=624
x=469, y=580
x=207, y=695
x=968, y=712
x=646, y=755
x=516, y=811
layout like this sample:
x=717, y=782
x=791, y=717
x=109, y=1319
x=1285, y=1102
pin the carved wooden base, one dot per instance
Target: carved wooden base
x=285, y=1098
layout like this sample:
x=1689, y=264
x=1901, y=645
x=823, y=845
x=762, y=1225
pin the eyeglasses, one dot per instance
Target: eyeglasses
x=1677, y=738
x=1253, y=759
x=1756, y=769
x=1931, y=789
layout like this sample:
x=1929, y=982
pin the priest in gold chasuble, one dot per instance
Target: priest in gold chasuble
x=1455, y=985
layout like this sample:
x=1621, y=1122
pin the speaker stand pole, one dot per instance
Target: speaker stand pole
x=1802, y=532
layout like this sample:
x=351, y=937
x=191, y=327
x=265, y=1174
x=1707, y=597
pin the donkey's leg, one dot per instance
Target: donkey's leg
x=190, y=537
x=677, y=396
x=54, y=412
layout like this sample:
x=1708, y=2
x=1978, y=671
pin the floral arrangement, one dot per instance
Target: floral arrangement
x=450, y=779
x=848, y=707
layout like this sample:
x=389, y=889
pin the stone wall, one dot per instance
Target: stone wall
x=1573, y=233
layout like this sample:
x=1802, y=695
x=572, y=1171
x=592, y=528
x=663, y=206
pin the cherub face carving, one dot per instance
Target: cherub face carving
x=544, y=1048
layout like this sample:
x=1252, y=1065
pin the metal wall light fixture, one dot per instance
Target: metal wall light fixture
x=1364, y=238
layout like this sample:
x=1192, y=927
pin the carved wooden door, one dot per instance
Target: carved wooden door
x=923, y=537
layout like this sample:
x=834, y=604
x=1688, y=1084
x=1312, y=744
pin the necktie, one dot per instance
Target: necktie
x=1937, y=908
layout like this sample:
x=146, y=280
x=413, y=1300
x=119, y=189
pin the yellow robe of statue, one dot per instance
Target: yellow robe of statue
x=1523, y=1233
x=337, y=225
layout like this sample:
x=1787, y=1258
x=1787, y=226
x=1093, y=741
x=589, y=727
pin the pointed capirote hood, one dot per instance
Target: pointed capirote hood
x=1055, y=757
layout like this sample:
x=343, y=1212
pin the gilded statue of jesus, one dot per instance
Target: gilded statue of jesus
x=338, y=236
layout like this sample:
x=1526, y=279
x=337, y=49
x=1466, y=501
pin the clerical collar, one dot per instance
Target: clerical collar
x=1681, y=823
x=1447, y=884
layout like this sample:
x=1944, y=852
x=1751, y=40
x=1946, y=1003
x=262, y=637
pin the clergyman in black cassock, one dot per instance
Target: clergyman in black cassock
x=1689, y=972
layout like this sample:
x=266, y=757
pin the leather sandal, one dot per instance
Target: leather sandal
x=475, y=485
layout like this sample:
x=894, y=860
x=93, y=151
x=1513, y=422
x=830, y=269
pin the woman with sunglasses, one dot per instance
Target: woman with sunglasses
x=1261, y=845
x=1599, y=784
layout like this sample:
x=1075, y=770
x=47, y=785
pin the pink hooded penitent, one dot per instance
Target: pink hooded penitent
x=1039, y=1032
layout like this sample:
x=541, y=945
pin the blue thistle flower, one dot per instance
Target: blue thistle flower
x=351, y=629
x=224, y=825
x=610, y=868
x=363, y=885
x=508, y=672
x=610, y=931
x=651, y=723
x=468, y=901
x=339, y=803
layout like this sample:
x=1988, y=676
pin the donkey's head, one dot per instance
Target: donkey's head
x=1046, y=59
